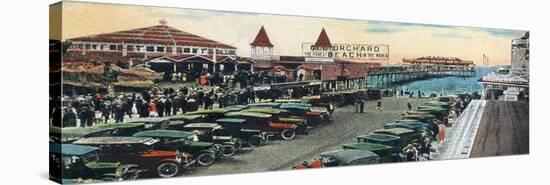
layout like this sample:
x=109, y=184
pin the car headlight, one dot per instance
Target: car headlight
x=179, y=156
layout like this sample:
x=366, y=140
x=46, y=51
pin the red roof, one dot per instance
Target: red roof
x=159, y=34
x=261, y=39
x=323, y=40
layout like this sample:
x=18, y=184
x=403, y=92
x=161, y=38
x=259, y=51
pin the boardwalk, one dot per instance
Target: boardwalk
x=504, y=130
x=460, y=137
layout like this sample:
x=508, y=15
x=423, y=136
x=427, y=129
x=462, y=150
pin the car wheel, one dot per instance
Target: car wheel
x=168, y=169
x=228, y=150
x=238, y=143
x=132, y=174
x=288, y=134
x=255, y=141
x=205, y=159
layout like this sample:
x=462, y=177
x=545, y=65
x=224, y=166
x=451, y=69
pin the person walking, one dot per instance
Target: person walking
x=153, y=112
x=379, y=106
x=441, y=134
x=160, y=107
x=69, y=118
x=361, y=106
x=409, y=106
x=119, y=112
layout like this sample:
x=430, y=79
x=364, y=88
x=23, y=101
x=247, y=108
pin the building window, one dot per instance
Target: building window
x=222, y=67
x=130, y=48
x=232, y=52
x=195, y=50
x=94, y=46
x=186, y=50
x=112, y=47
x=161, y=49
x=204, y=51
x=179, y=50
x=150, y=49
x=139, y=49
x=88, y=46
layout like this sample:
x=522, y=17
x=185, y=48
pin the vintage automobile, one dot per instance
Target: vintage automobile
x=434, y=110
x=311, y=118
x=385, y=152
x=349, y=157
x=407, y=136
x=289, y=101
x=340, y=158
x=384, y=139
x=183, y=119
x=263, y=122
x=278, y=116
x=115, y=129
x=140, y=151
x=243, y=137
x=153, y=123
x=211, y=115
x=324, y=111
x=213, y=132
x=81, y=163
x=204, y=153
x=316, y=101
x=445, y=105
x=263, y=105
x=424, y=118
x=339, y=98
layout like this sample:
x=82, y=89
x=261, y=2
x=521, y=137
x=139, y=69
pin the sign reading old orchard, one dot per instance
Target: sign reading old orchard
x=358, y=51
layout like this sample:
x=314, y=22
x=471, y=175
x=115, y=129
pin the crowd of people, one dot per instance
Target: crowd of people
x=95, y=108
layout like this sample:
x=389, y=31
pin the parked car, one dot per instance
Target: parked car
x=140, y=151
x=278, y=116
x=340, y=158
x=263, y=105
x=244, y=137
x=262, y=122
x=153, y=123
x=77, y=163
x=419, y=127
x=311, y=118
x=385, y=152
x=349, y=157
x=204, y=153
x=212, y=132
x=407, y=136
x=183, y=119
x=384, y=139
x=211, y=115
x=72, y=134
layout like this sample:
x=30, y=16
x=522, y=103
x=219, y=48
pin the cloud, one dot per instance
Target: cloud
x=453, y=35
x=501, y=32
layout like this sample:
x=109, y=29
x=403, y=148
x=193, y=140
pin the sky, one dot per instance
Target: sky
x=287, y=33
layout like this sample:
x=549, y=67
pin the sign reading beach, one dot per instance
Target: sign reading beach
x=357, y=51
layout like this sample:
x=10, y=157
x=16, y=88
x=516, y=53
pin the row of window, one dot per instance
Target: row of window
x=152, y=49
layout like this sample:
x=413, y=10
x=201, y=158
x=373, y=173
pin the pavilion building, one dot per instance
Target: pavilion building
x=161, y=47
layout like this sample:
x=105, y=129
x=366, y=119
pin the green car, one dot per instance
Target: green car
x=385, y=152
x=184, y=119
x=211, y=115
x=243, y=137
x=78, y=164
x=349, y=157
x=204, y=153
x=384, y=139
x=407, y=136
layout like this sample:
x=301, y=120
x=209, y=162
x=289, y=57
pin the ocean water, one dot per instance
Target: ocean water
x=447, y=85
